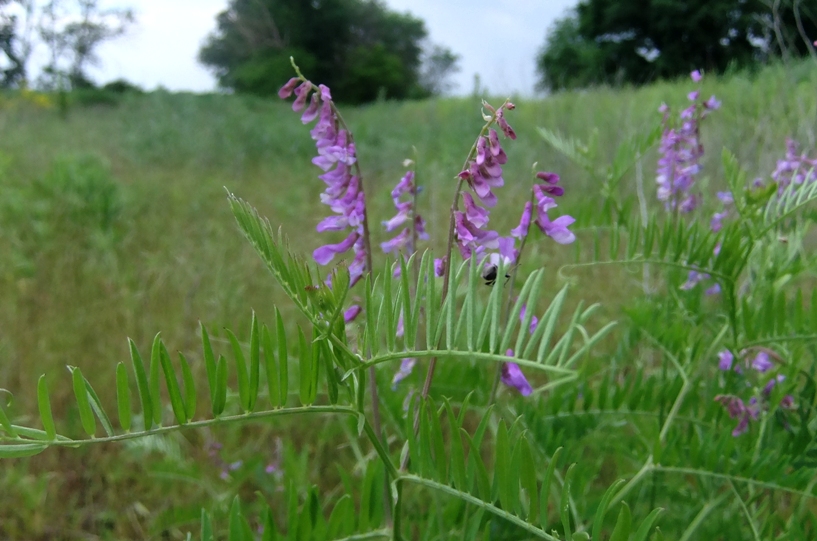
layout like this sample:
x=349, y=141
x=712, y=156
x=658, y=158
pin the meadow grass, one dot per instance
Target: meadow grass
x=114, y=224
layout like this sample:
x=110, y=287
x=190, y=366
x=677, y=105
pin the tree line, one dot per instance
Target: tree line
x=640, y=41
x=365, y=51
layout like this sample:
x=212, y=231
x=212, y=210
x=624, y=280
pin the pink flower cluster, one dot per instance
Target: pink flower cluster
x=483, y=174
x=336, y=157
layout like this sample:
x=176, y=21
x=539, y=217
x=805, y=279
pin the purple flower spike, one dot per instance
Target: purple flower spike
x=696, y=76
x=681, y=152
x=725, y=360
x=512, y=376
x=336, y=156
x=404, y=241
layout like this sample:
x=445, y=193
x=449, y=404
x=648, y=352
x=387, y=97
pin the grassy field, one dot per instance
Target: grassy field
x=114, y=224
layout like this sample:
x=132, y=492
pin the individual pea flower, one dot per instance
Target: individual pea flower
x=716, y=224
x=336, y=157
x=762, y=363
x=534, y=321
x=693, y=279
x=725, y=360
x=512, y=376
x=681, y=152
x=740, y=411
x=558, y=228
x=406, y=366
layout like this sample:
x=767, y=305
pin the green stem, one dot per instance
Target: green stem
x=464, y=496
x=229, y=419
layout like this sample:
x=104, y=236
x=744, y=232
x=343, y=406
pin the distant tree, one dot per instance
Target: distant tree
x=73, y=31
x=15, y=41
x=568, y=59
x=610, y=41
x=358, y=48
x=439, y=64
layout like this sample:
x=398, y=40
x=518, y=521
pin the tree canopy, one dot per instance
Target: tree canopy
x=608, y=41
x=358, y=48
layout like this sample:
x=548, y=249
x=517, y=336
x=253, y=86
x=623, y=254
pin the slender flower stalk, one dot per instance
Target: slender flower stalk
x=344, y=193
x=485, y=175
x=405, y=243
x=545, y=185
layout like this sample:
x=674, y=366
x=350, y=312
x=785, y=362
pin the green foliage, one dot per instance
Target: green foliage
x=610, y=42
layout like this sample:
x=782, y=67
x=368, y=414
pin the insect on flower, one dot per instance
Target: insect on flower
x=490, y=275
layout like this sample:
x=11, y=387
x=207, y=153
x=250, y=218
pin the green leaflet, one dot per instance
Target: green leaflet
x=598, y=521
x=123, y=397
x=209, y=362
x=153, y=383
x=176, y=400
x=255, y=362
x=621, y=532
x=44, y=404
x=142, y=385
x=86, y=415
x=189, y=388
x=241, y=372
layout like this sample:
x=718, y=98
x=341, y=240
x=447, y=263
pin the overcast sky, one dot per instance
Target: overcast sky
x=498, y=39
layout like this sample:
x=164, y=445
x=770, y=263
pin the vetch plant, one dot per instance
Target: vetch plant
x=335, y=347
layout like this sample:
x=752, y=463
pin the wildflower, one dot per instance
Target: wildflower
x=336, y=157
x=351, y=313
x=740, y=411
x=767, y=389
x=794, y=168
x=762, y=363
x=693, y=279
x=534, y=321
x=512, y=376
x=439, y=266
x=725, y=360
x=406, y=366
x=558, y=228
